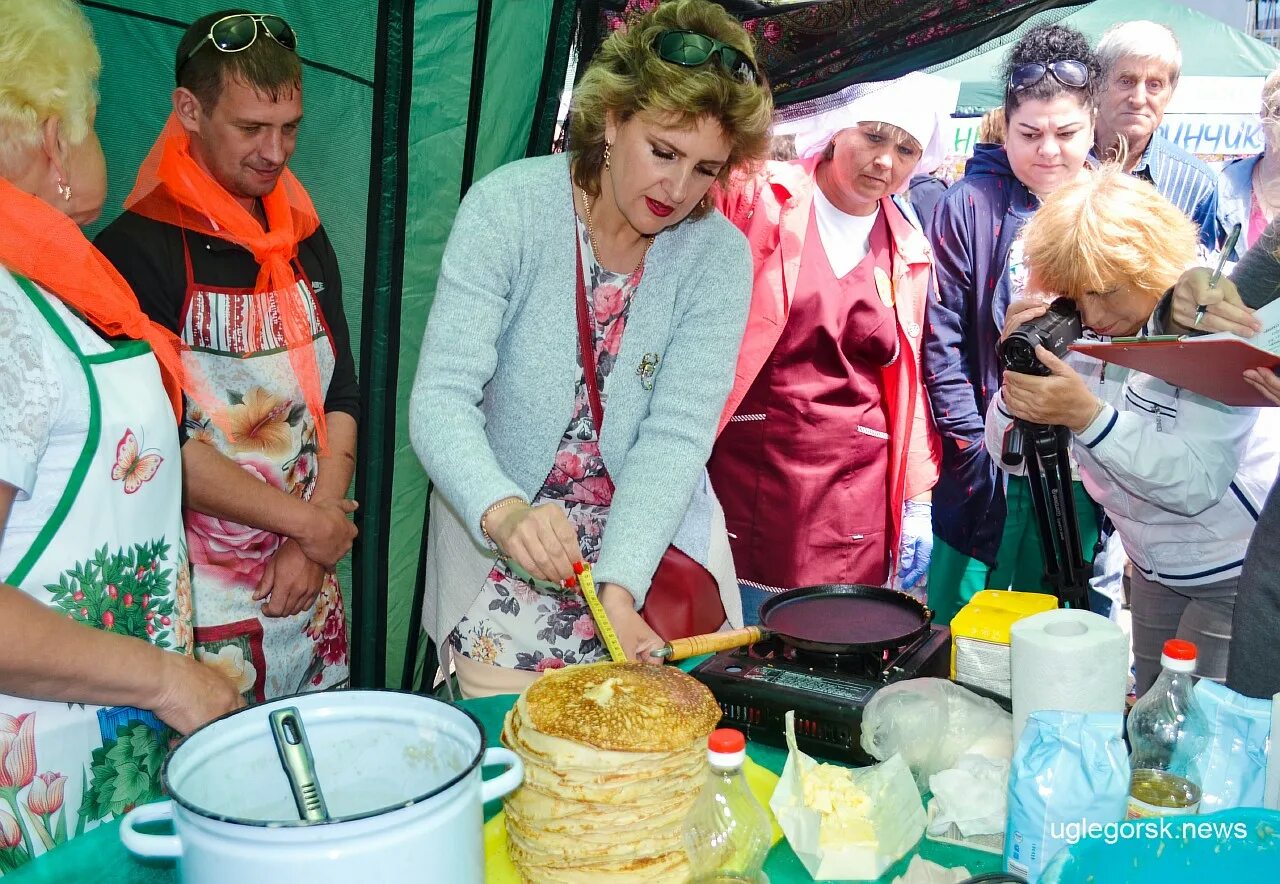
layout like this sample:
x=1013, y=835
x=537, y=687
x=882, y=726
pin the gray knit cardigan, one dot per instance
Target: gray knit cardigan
x=495, y=384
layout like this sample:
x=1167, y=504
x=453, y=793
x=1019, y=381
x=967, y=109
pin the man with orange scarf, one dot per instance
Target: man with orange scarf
x=222, y=245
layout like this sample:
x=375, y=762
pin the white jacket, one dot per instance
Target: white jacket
x=1182, y=477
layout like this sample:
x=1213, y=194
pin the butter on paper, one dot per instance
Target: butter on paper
x=874, y=814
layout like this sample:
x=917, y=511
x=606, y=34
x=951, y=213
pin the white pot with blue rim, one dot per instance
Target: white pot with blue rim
x=399, y=772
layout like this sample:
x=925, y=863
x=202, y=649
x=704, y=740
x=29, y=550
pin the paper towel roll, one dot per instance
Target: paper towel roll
x=1067, y=661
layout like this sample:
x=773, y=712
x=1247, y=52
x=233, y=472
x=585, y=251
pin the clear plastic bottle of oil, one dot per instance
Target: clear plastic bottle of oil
x=727, y=834
x=1167, y=731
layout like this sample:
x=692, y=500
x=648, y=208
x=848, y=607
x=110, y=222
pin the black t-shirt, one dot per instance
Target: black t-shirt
x=149, y=255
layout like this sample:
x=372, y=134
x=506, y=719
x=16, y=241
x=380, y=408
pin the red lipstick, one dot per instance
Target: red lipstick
x=662, y=210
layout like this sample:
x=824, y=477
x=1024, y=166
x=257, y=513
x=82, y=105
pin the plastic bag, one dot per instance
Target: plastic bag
x=973, y=796
x=1070, y=771
x=1232, y=768
x=931, y=722
x=921, y=871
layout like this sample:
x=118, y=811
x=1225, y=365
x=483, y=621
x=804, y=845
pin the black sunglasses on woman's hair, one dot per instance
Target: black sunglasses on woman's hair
x=690, y=49
x=236, y=33
x=1067, y=71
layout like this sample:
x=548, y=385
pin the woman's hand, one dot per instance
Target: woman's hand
x=1226, y=312
x=1265, y=381
x=1063, y=398
x=539, y=538
x=1022, y=311
x=637, y=638
x=915, y=550
x=191, y=693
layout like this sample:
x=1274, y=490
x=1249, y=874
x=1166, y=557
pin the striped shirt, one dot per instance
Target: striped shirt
x=1182, y=179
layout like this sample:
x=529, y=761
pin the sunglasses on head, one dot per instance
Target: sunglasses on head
x=1067, y=71
x=690, y=49
x=236, y=33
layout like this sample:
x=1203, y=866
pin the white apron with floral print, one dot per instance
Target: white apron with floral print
x=513, y=623
x=237, y=345
x=111, y=556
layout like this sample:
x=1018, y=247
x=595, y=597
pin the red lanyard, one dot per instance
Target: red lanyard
x=586, y=345
x=587, y=350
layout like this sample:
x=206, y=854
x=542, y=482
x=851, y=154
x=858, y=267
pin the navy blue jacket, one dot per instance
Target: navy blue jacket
x=974, y=225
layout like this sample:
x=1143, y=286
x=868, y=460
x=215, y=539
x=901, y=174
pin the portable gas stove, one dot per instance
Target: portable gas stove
x=758, y=684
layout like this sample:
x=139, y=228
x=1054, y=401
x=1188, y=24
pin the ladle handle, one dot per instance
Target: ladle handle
x=710, y=643
x=299, y=765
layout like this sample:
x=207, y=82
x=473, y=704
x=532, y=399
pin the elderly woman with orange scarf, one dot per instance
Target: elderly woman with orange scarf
x=95, y=607
x=826, y=456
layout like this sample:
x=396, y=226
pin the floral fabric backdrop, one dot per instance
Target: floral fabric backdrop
x=811, y=48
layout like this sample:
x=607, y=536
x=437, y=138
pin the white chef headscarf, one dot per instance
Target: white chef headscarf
x=918, y=104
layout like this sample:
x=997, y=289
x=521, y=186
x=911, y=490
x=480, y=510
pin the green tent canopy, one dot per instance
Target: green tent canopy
x=396, y=127
x=1210, y=48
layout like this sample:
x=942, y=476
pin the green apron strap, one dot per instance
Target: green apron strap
x=84, y=461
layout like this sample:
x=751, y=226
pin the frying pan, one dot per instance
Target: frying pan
x=833, y=618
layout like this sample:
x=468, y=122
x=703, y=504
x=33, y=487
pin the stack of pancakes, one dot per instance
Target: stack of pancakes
x=614, y=756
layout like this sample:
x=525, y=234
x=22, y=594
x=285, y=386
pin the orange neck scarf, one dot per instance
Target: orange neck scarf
x=174, y=189
x=44, y=245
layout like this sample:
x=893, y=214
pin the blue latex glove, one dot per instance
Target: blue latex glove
x=915, y=548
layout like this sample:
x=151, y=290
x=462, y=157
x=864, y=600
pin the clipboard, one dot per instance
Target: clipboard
x=1211, y=366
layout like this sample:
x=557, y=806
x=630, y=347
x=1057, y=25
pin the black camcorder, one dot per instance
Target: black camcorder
x=1056, y=331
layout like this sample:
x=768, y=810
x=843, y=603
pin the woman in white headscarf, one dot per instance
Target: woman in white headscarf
x=827, y=454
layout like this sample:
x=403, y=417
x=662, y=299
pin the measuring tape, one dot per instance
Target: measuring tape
x=603, y=626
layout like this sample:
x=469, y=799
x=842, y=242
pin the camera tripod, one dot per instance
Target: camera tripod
x=1049, y=471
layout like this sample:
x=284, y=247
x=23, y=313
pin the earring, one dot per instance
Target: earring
x=65, y=190
x=607, y=146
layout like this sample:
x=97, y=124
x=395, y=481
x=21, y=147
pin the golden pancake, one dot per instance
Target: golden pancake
x=614, y=756
x=622, y=707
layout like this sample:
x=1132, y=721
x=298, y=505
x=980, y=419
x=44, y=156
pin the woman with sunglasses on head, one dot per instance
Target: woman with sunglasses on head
x=609, y=258
x=95, y=601
x=826, y=456
x=982, y=540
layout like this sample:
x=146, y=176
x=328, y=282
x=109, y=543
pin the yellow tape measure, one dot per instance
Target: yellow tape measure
x=603, y=626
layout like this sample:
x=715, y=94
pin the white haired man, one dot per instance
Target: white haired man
x=1141, y=62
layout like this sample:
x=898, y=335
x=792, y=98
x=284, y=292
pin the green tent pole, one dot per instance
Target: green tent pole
x=555, y=64
x=479, y=58
x=380, y=338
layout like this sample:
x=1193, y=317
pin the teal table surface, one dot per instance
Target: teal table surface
x=100, y=858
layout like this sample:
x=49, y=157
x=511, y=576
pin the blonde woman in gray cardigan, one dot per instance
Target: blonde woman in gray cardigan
x=525, y=485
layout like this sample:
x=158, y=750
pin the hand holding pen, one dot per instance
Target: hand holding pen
x=1227, y=250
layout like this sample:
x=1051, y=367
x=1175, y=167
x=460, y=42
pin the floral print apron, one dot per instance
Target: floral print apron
x=513, y=623
x=237, y=344
x=112, y=557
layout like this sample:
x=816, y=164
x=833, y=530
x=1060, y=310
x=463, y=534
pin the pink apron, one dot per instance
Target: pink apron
x=802, y=466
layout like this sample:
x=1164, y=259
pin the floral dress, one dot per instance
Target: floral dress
x=513, y=623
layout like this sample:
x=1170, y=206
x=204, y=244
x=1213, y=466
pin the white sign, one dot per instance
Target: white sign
x=1208, y=134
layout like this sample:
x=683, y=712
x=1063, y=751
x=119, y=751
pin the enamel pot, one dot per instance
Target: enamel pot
x=400, y=774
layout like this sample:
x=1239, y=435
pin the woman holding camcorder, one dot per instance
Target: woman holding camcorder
x=986, y=534
x=1181, y=476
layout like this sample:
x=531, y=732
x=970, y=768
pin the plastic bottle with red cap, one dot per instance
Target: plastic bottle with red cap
x=1167, y=731
x=727, y=832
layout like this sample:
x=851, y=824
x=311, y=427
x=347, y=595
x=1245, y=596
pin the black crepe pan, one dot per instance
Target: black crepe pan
x=832, y=618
